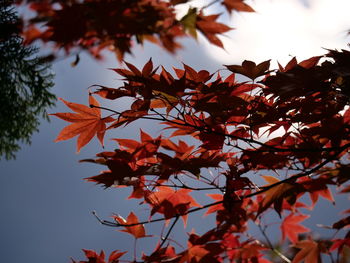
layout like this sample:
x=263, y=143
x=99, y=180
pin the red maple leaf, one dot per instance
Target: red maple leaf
x=166, y=254
x=92, y=256
x=146, y=148
x=199, y=250
x=195, y=254
x=209, y=27
x=290, y=227
x=237, y=5
x=340, y=243
x=275, y=195
x=309, y=252
x=214, y=208
x=86, y=122
x=114, y=256
x=252, y=251
x=250, y=69
x=317, y=187
x=138, y=230
x=171, y=203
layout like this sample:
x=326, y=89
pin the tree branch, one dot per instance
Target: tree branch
x=270, y=148
x=294, y=177
x=276, y=251
x=164, y=239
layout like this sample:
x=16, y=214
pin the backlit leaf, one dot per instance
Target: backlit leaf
x=237, y=5
x=86, y=123
x=171, y=203
x=276, y=194
x=137, y=231
x=309, y=252
x=291, y=227
x=250, y=69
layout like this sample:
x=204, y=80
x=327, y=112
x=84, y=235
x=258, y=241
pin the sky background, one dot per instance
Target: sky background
x=46, y=206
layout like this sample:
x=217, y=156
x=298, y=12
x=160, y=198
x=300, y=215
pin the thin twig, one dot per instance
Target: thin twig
x=292, y=178
x=164, y=239
x=250, y=141
x=276, y=251
x=135, y=242
x=184, y=186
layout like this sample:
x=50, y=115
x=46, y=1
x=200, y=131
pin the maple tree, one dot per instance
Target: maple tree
x=226, y=119
x=256, y=147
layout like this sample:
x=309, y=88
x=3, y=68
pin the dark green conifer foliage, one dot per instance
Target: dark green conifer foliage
x=25, y=82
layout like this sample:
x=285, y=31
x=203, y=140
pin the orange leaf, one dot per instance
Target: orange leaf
x=86, y=123
x=171, y=203
x=275, y=195
x=195, y=254
x=251, y=251
x=311, y=62
x=147, y=68
x=92, y=256
x=318, y=187
x=209, y=27
x=291, y=228
x=114, y=256
x=164, y=254
x=325, y=193
x=138, y=230
x=340, y=243
x=291, y=64
x=309, y=252
x=214, y=208
x=237, y=5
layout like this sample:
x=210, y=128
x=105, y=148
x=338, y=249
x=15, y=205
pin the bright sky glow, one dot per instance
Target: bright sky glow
x=281, y=29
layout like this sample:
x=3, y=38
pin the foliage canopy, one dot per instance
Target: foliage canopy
x=258, y=146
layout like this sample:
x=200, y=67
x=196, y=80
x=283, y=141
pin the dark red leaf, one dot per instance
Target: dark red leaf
x=250, y=69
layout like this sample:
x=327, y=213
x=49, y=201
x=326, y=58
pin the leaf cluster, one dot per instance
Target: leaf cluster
x=217, y=126
x=97, y=25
